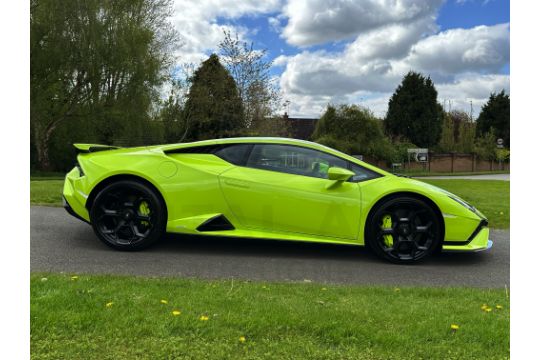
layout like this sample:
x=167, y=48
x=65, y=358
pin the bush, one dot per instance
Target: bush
x=485, y=146
x=354, y=130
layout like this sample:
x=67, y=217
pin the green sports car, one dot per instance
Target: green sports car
x=266, y=188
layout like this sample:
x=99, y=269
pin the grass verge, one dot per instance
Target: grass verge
x=491, y=197
x=465, y=173
x=46, y=192
x=114, y=317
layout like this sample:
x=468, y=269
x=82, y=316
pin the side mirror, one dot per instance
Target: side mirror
x=339, y=174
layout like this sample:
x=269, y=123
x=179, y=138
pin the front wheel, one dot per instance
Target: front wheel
x=128, y=215
x=404, y=230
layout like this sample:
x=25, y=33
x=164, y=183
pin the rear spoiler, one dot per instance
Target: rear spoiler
x=90, y=148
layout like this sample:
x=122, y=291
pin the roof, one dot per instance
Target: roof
x=273, y=140
x=302, y=128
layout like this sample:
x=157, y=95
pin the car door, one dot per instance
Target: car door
x=284, y=188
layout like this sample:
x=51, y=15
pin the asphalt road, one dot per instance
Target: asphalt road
x=61, y=243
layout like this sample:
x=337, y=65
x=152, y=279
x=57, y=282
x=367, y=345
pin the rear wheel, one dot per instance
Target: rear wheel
x=128, y=215
x=404, y=230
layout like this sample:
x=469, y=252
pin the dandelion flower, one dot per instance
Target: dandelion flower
x=499, y=307
x=501, y=213
x=484, y=307
x=488, y=309
x=242, y=339
x=164, y=301
x=203, y=318
x=44, y=279
x=176, y=312
x=454, y=327
x=109, y=304
x=74, y=277
x=324, y=289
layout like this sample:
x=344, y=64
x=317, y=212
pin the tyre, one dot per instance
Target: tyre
x=404, y=230
x=128, y=215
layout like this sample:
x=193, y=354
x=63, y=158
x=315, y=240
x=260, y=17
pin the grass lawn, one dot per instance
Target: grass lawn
x=46, y=192
x=491, y=197
x=70, y=319
x=465, y=173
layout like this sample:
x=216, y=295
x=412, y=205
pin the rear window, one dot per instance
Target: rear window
x=235, y=154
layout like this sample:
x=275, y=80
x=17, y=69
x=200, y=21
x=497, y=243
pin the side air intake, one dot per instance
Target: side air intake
x=217, y=223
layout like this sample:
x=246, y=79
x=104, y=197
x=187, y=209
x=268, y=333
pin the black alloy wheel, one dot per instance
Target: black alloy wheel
x=404, y=230
x=128, y=215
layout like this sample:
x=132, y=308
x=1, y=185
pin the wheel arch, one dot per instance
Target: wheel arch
x=114, y=178
x=412, y=194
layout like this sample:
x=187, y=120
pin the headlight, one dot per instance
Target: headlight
x=463, y=203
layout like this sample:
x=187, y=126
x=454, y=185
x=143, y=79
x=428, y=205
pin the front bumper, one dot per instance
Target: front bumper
x=479, y=242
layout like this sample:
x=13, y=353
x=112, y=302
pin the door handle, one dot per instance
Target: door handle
x=237, y=183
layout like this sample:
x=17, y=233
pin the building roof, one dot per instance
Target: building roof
x=301, y=128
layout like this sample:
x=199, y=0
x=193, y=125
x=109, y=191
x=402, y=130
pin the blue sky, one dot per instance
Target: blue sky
x=343, y=51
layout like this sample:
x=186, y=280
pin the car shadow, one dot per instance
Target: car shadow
x=218, y=246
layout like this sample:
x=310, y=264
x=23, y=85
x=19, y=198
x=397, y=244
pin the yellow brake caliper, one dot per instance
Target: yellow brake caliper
x=144, y=209
x=387, y=224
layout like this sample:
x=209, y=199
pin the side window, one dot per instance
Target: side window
x=235, y=154
x=361, y=174
x=293, y=160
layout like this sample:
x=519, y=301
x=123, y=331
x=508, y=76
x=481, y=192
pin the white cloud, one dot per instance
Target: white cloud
x=274, y=24
x=197, y=23
x=392, y=41
x=388, y=38
x=482, y=48
x=454, y=59
x=472, y=87
x=319, y=21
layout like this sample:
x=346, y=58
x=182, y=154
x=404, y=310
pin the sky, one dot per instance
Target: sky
x=357, y=51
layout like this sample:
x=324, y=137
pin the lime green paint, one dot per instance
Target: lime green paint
x=339, y=174
x=387, y=224
x=261, y=203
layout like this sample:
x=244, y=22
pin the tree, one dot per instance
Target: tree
x=485, y=146
x=354, y=130
x=251, y=73
x=413, y=111
x=171, y=115
x=277, y=125
x=96, y=65
x=495, y=115
x=213, y=107
x=457, y=133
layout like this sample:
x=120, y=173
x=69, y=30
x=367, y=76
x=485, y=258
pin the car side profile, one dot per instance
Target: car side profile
x=265, y=188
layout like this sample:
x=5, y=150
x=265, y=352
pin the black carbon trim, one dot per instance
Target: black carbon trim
x=483, y=224
x=200, y=149
x=217, y=223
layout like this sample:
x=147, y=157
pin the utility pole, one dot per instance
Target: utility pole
x=471, y=111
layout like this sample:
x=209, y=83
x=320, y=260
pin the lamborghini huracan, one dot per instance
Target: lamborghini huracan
x=265, y=188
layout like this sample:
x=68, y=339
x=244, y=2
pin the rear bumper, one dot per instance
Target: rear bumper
x=74, y=199
x=70, y=210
